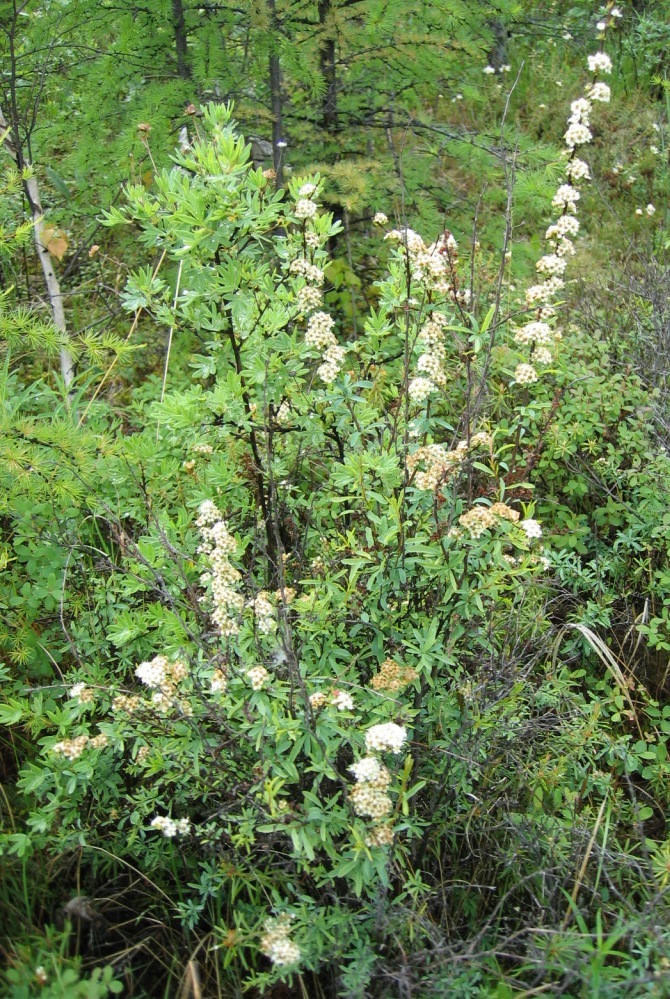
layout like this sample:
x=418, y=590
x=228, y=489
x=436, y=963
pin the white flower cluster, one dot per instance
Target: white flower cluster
x=600, y=62
x=320, y=336
x=283, y=414
x=537, y=336
x=431, y=361
x=343, y=701
x=380, y=835
x=477, y=520
x=163, y=677
x=552, y=264
x=218, y=545
x=599, y=91
x=566, y=225
x=535, y=333
x=369, y=798
x=576, y=135
x=257, y=677
x=525, y=374
x=127, y=704
x=311, y=273
x=264, y=612
x=577, y=170
x=305, y=209
x=480, y=518
x=72, y=749
x=276, y=942
x=169, y=827
x=219, y=682
x=387, y=737
x=578, y=131
x=540, y=294
x=82, y=693
x=438, y=463
x=339, y=699
x=433, y=266
x=309, y=298
x=420, y=389
x=532, y=528
x=566, y=197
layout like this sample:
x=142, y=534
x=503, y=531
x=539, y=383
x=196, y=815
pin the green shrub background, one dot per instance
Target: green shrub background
x=174, y=836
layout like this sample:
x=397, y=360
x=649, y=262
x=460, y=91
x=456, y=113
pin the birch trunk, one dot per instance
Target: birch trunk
x=31, y=189
x=50, y=278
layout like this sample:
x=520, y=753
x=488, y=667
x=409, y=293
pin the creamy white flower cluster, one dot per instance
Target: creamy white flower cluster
x=219, y=682
x=386, y=738
x=431, y=361
x=320, y=336
x=171, y=828
x=80, y=692
x=599, y=91
x=392, y=676
x=532, y=528
x=369, y=797
x=600, y=62
x=305, y=208
x=479, y=519
x=540, y=337
x=72, y=749
x=163, y=677
x=309, y=298
x=257, y=677
x=339, y=699
x=439, y=463
x=276, y=942
x=578, y=132
x=433, y=266
x=218, y=545
x=649, y=210
x=264, y=612
x=483, y=518
x=311, y=273
x=160, y=671
x=537, y=336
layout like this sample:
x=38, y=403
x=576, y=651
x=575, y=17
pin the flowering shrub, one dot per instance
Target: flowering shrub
x=318, y=664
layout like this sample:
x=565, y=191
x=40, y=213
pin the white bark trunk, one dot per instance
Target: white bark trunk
x=50, y=278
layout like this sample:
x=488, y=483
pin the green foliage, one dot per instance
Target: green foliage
x=293, y=689
x=43, y=969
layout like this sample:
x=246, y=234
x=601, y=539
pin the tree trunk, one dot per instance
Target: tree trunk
x=329, y=116
x=276, y=99
x=50, y=278
x=180, y=39
x=31, y=189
